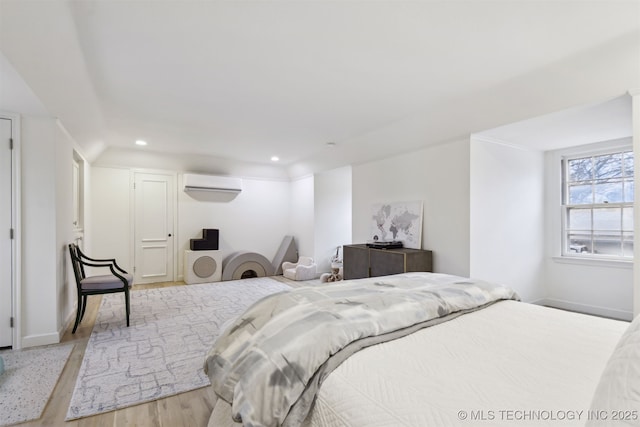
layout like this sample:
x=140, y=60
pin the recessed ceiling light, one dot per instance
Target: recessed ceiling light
x=275, y=158
x=141, y=142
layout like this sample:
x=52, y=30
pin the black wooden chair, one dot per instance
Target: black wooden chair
x=118, y=281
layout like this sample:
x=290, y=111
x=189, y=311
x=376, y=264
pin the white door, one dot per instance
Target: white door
x=154, y=204
x=6, y=259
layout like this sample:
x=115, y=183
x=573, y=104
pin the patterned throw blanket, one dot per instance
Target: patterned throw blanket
x=270, y=362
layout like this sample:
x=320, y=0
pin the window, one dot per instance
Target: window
x=598, y=205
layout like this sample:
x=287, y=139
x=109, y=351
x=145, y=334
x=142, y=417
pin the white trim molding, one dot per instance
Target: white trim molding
x=594, y=261
x=587, y=309
x=43, y=339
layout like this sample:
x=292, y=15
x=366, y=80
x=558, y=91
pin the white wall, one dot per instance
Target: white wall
x=315, y=210
x=256, y=220
x=48, y=285
x=302, y=215
x=332, y=214
x=66, y=287
x=47, y=290
x=598, y=287
x=605, y=290
x=39, y=323
x=507, y=217
x=437, y=175
x=110, y=219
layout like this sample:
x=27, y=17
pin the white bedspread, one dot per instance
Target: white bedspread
x=509, y=364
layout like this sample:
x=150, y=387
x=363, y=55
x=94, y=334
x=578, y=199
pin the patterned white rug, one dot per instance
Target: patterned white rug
x=28, y=381
x=162, y=352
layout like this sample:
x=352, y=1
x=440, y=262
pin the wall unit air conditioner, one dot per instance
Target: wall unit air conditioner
x=222, y=184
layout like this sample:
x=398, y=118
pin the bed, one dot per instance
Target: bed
x=502, y=362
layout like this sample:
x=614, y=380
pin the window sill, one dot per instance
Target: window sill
x=594, y=262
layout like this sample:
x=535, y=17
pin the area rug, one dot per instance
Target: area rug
x=28, y=381
x=162, y=352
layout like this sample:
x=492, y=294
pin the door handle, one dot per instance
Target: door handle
x=169, y=234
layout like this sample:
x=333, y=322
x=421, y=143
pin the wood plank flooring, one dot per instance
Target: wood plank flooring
x=190, y=409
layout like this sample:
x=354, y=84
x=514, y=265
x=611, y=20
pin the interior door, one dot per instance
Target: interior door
x=6, y=258
x=154, y=204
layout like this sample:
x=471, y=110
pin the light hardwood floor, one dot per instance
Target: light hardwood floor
x=190, y=409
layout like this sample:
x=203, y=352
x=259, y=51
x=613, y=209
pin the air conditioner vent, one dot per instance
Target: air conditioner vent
x=222, y=184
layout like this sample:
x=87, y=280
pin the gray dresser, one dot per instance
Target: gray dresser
x=361, y=261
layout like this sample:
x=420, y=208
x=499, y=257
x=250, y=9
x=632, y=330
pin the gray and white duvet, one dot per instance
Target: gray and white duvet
x=270, y=363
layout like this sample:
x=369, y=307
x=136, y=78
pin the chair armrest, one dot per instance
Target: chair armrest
x=97, y=264
x=122, y=270
x=125, y=282
x=112, y=266
x=287, y=265
x=106, y=260
x=83, y=256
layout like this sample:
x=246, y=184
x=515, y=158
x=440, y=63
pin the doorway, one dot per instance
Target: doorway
x=155, y=195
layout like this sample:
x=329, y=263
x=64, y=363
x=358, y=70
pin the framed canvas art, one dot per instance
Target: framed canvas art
x=398, y=221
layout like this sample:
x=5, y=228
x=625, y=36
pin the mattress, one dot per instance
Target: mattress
x=508, y=364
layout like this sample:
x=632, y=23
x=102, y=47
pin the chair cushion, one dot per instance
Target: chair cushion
x=104, y=282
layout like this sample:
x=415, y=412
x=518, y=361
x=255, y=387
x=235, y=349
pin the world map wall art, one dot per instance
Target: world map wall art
x=398, y=221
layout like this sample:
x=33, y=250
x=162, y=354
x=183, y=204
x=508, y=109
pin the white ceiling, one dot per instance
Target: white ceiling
x=604, y=121
x=245, y=80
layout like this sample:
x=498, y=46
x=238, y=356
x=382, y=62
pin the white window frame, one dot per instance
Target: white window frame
x=593, y=150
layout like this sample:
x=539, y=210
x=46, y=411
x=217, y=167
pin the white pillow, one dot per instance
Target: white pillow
x=616, y=401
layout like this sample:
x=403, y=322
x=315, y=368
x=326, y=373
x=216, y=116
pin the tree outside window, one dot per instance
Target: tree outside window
x=598, y=205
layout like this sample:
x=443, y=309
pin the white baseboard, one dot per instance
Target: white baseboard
x=52, y=338
x=38, y=340
x=69, y=321
x=587, y=309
